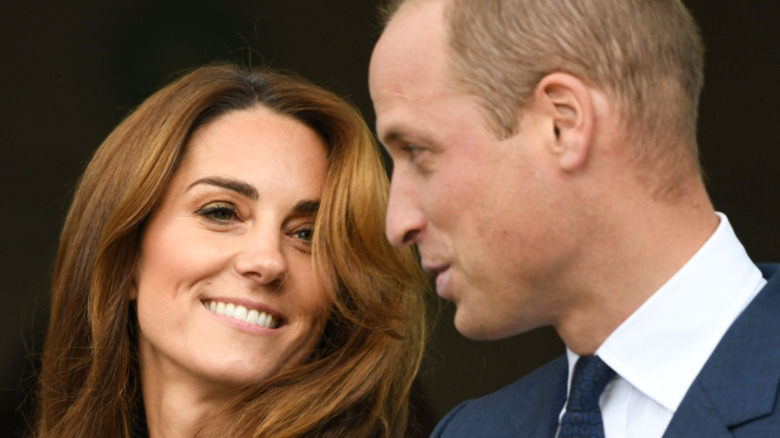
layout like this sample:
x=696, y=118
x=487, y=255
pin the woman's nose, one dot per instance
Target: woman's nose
x=262, y=259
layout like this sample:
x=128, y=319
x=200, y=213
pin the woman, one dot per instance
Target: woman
x=223, y=271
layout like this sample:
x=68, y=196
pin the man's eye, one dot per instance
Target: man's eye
x=218, y=212
x=419, y=156
x=412, y=149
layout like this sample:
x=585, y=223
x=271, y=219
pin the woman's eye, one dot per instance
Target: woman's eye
x=218, y=212
x=305, y=234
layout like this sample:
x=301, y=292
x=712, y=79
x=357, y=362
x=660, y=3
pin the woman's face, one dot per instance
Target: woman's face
x=225, y=287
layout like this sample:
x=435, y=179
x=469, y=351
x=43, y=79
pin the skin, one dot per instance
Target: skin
x=541, y=228
x=247, y=243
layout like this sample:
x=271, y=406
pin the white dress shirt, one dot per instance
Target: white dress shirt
x=659, y=350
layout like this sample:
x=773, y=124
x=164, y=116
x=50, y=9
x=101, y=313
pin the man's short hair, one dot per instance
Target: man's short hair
x=646, y=55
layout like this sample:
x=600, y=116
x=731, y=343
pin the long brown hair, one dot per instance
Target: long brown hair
x=358, y=380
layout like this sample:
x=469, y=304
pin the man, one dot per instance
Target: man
x=546, y=166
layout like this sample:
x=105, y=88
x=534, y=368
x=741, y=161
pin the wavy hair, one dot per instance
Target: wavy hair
x=358, y=380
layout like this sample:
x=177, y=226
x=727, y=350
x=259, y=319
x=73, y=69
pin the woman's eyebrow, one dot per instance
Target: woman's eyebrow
x=242, y=188
x=305, y=208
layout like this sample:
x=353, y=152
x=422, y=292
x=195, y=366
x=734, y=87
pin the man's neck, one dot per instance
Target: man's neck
x=642, y=245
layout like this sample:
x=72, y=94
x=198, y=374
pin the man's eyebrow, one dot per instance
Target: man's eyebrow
x=242, y=188
x=397, y=136
x=391, y=136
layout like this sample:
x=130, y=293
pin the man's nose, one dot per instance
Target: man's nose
x=405, y=218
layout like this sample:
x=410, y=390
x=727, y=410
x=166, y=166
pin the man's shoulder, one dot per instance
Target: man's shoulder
x=770, y=271
x=738, y=388
x=532, y=402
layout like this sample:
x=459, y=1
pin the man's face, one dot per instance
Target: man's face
x=484, y=211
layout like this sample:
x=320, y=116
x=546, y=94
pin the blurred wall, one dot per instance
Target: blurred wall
x=71, y=71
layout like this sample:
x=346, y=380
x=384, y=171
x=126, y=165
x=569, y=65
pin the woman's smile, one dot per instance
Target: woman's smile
x=238, y=312
x=238, y=215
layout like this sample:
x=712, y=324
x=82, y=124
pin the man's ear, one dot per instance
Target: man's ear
x=570, y=115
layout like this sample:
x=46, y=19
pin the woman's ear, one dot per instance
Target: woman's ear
x=132, y=294
x=570, y=115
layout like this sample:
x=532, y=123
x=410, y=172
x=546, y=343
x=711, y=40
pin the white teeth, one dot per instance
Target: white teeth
x=241, y=313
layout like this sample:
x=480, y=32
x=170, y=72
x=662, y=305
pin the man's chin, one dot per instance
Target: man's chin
x=476, y=329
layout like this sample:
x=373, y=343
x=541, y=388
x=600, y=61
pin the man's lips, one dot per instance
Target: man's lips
x=442, y=275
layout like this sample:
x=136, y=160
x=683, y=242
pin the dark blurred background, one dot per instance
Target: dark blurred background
x=71, y=70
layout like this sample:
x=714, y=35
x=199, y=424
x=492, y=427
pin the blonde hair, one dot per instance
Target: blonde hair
x=357, y=382
x=647, y=55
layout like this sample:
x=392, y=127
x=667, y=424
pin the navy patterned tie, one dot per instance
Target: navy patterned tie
x=583, y=416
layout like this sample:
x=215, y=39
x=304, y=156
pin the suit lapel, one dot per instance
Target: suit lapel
x=696, y=417
x=535, y=413
x=739, y=382
x=541, y=420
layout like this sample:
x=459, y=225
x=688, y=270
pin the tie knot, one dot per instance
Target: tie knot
x=591, y=375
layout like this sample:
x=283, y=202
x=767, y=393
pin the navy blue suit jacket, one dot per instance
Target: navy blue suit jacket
x=734, y=395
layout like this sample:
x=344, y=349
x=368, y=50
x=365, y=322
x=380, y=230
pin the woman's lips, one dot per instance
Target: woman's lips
x=253, y=315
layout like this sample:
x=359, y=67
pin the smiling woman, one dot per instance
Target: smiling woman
x=223, y=270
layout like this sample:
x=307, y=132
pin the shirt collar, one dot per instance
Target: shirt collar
x=663, y=345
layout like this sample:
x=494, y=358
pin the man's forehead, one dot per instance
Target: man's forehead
x=401, y=102
x=410, y=55
x=413, y=29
